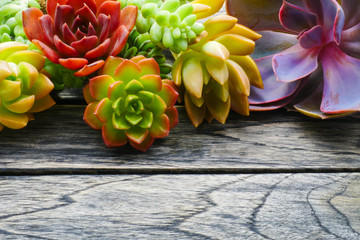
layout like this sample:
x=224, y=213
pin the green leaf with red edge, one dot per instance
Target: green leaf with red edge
x=169, y=95
x=113, y=137
x=127, y=71
x=90, y=118
x=149, y=66
x=145, y=145
x=137, y=134
x=173, y=116
x=151, y=83
x=87, y=95
x=104, y=111
x=111, y=64
x=157, y=107
x=116, y=90
x=99, y=86
x=160, y=127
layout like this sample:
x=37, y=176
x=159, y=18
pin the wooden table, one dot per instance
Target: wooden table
x=274, y=175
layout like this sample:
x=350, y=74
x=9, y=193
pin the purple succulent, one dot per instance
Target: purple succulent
x=320, y=75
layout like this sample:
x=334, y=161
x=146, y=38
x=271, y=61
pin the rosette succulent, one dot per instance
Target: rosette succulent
x=170, y=24
x=80, y=34
x=24, y=90
x=320, y=75
x=141, y=44
x=11, y=26
x=216, y=73
x=130, y=103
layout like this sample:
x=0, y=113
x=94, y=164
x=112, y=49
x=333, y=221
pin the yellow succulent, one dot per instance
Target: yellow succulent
x=215, y=74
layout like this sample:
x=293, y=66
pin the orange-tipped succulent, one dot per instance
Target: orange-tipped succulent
x=215, y=74
x=23, y=89
x=130, y=103
x=80, y=34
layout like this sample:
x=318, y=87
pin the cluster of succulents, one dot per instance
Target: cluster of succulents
x=141, y=44
x=216, y=73
x=11, y=26
x=24, y=90
x=170, y=24
x=129, y=102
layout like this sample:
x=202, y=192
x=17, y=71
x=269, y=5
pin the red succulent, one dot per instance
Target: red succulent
x=80, y=34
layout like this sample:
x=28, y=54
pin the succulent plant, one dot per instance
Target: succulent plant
x=170, y=24
x=141, y=44
x=11, y=27
x=319, y=75
x=130, y=103
x=215, y=74
x=24, y=90
x=80, y=34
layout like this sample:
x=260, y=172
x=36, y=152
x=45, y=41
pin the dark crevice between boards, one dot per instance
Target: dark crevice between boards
x=165, y=171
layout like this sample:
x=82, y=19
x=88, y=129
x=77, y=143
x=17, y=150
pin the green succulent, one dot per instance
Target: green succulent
x=11, y=26
x=141, y=44
x=170, y=24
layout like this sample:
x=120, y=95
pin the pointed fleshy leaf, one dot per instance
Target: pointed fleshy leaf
x=149, y=66
x=192, y=76
x=50, y=53
x=42, y=87
x=116, y=90
x=64, y=14
x=127, y=71
x=85, y=44
x=111, y=64
x=31, y=24
x=21, y=104
x=103, y=110
x=160, y=127
x=104, y=25
x=112, y=9
x=146, y=97
x=240, y=30
x=168, y=94
x=134, y=86
x=86, y=14
x=341, y=81
x=217, y=69
x=295, y=63
x=13, y=120
x=238, y=78
x=42, y=104
x=218, y=24
x=145, y=145
x=178, y=65
x=5, y=70
x=113, y=137
x=10, y=90
x=198, y=101
x=151, y=83
x=133, y=118
x=87, y=95
x=34, y=58
x=195, y=114
x=90, y=118
x=120, y=123
x=73, y=63
x=200, y=8
x=147, y=119
x=220, y=91
x=157, y=107
x=236, y=44
x=89, y=68
x=76, y=4
x=65, y=49
x=216, y=50
x=8, y=48
x=128, y=17
x=217, y=108
x=273, y=91
x=118, y=41
x=173, y=116
x=51, y=6
x=99, y=86
x=99, y=51
x=295, y=18
x=250, y=68
x=215, y=6
x=257, y=15
x=47, y=27
x=239, y=103
x=137, y=134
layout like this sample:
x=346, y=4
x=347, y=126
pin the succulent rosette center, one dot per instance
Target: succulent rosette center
x=130, y=102
x=80, y=34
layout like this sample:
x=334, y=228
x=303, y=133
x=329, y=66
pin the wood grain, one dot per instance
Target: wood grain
x=272, y=206
x=59, y=138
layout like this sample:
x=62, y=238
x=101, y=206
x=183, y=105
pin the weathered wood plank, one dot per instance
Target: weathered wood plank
x=59, y=138
x=279, y=206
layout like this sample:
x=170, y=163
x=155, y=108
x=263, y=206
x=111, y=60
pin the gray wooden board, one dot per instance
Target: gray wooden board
x=59, y=138
x=270, y=206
